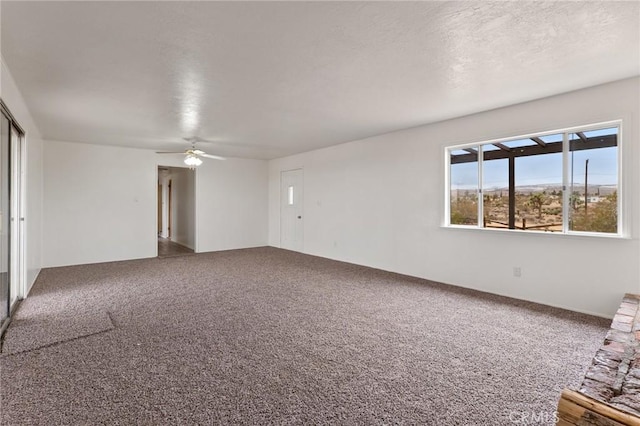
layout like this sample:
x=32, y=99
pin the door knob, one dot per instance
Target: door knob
x=299, y=217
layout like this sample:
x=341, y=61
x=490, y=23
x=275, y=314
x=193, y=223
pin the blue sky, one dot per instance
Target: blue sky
x=542, y=169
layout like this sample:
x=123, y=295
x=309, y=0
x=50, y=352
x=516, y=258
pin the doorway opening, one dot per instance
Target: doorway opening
x=176, y=211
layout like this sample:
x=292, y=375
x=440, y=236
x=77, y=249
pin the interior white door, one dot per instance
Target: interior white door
x=291, y=206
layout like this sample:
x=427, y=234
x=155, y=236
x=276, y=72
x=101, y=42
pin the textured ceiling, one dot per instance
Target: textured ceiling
x=265, y=79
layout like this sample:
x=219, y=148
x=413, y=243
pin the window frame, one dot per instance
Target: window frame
x=566, y=132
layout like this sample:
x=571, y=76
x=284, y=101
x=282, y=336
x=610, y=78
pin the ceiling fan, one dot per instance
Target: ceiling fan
x=192, y=155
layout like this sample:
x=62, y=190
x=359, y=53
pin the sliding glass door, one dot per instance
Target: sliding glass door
x=12, y=248
x=16, y=241
x=5, y=139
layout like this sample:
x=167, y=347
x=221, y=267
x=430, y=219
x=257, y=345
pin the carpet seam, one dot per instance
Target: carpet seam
x=5, y=355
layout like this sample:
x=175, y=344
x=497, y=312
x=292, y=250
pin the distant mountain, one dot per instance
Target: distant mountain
x=554, y=187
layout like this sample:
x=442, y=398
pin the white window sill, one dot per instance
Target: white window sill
x=523, y=232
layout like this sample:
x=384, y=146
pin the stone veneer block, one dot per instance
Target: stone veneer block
x=607, y=359
x=620, y=325
x=627, y=309
x=596, y=390
x=634, y=372
x=615, y=347
x=618, y=336
x=626, y=403
x=602, y=374
x=614, y=375
x=631, y=385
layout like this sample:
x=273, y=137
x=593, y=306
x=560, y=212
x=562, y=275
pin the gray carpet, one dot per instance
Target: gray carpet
x=34, y=327
x=267, y=336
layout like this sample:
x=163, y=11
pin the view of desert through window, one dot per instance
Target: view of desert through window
x=533, y=167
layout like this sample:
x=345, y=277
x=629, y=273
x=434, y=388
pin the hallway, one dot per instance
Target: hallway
x=168, y=248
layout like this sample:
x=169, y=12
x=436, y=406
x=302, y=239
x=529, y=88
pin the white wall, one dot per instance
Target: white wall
x=184, y=207
x=380, y=202
x=232, y=204
x=100, y=203
x=11, y=96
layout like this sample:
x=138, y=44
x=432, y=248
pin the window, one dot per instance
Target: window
x=464, y=187
x=562, y=182
x=290, y=195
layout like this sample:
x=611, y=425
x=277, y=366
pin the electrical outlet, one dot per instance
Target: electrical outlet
x=517, y=271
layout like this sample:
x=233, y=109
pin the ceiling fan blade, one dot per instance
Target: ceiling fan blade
x=177, y=152
x=214, y=157
x=196, y=139
x=225, y=144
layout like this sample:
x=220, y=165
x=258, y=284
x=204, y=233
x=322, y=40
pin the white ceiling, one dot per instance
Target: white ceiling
x=266, y=79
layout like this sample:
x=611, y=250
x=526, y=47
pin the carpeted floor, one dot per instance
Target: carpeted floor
x=267, y=336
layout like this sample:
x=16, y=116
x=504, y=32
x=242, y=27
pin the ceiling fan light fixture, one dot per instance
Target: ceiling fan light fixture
x=192, y=161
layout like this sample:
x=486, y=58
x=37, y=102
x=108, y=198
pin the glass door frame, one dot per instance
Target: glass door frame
x=16, y=163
